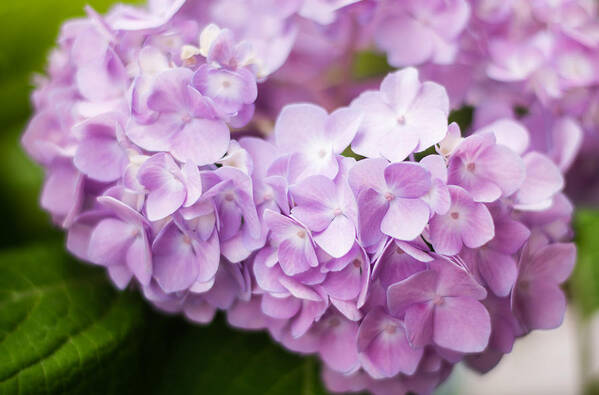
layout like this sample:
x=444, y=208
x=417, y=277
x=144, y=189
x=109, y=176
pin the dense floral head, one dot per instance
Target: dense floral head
x=181, y=155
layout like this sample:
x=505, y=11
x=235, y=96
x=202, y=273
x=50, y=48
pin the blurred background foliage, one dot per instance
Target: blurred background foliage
x=64, y=329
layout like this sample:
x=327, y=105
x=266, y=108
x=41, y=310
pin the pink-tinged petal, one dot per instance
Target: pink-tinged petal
x=543, y=179
x=101, y=158
x=342, y=383
x=418, y=288
x=139, y=258
x=510, y=235
x=567, y=140
x=280, y=225
x=467, y=222
x=436, y=165
x=300, y=290
x=384, y=348
x=509, y=133
x=405, y=219
x=407, y=180
x=341, y=126
x=193, y=183
x=175, y=264
x=378, y=120
x=121, y=210
x=102, y=79
x=109, y=242
x=62, y=191
x=401, y=88
x=80, y=231
x=295, y=256
x=347, y=308
x=553, y=263
x=418, y=321
x=481, y=189
x=170, y=90
x=120, y=275
x=155, y=136
x=246, y=315
x=197, y=310
x=372, y=209
x=280, y=308
x=498, y=270
x=208, y=256
x=344, y=284
x=338, y=238
x=438, y=197
x=445, y=238
x=432, y=95
x=398, y=143
x=462, y=325
x=453, y=280
x=368, y=173
x=267, y=277
x=298, y=125
x=318, y=190
x=230, y=284
x=431, y=125
x=201, y=141
x=539, y=305
x=338, y=344
x=311, y=311
x=230, y=218
x=416, y=43
x=479, y=228
x=503, y=167
x=160, y=175
x=417, y=249
x=229, y=89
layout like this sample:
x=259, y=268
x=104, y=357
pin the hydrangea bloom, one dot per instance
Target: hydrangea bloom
x=192, y=153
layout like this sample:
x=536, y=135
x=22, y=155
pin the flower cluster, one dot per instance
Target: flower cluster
x=372, y=233
x=530, y=61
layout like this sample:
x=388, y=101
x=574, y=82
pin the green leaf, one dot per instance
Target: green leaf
x=63, y=328
x=584, y=284
x=463, y=117
x=368, y=64
x=216, y=359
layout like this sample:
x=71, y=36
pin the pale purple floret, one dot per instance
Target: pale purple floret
x=466, y=223
x=295, y=248
x=329, y=210
x=429, y=30
x=384, y=348
x=121, y=240
x=239, y=226
x=441, y=306
x=404, y=116
x=185, y=126
x=182, y=261
x=99, y=154
x=537, y=300
x=169, y=187
x=314, y=137
x=390, y=199
x=485, y=169
x=230, y=90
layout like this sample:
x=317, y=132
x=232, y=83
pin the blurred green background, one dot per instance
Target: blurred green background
x=64, y=329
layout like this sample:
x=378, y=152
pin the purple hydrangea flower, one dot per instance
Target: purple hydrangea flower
x=177, y=158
